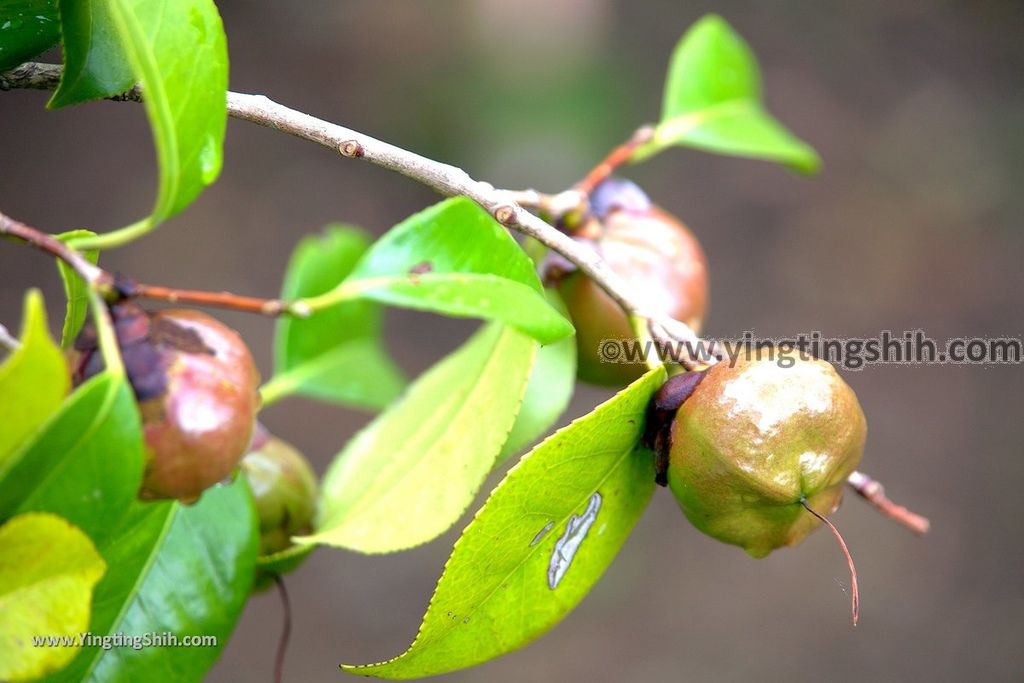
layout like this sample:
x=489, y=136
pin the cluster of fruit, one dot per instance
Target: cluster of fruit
x=748, y=449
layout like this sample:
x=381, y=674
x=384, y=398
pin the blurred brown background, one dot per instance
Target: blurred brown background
x=918, y=111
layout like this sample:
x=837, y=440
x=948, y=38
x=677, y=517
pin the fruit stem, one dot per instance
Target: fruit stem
x=873, y=492
x=106, y=334
x=854, y=592
x=286, y=629
x=615, y=159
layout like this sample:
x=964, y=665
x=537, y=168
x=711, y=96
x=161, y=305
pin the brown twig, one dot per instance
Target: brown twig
x=616, y=158
x=114, y=287
x=873, y=492
x=854, y=591
x=247, y=304
x=93, y=275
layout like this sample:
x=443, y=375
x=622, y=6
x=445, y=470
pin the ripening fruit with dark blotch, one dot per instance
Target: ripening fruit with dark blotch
x=284, y=488
x=196, y=386
x=657, y=256
x=752, y=445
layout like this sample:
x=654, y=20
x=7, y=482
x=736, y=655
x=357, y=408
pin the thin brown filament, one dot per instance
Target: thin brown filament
x=854, y=592
x=286, y=630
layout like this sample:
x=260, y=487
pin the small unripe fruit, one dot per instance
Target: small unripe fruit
x=755, y=443
x=285, y=489
x=197, y=389
x=657, y=256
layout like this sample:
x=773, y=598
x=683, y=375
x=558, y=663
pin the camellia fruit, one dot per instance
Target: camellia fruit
x=196, y=386
x=657, y=256
x=284, y=488
x=760, y=451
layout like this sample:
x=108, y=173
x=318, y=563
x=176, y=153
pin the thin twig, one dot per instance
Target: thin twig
x=286, y=629
x=247, y=304
x=93, y=275
x=114, y=287
x=616, y=158
x=446, y=179
x=873, y=492
x=854, y=590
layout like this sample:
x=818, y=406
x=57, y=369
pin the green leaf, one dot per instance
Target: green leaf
x=713, y=102
x=33, y=381
x=85, y=464
x=552, y=381
x=186, y=570
x=540, y=543
x=95, y=64
x=176, y=50
x=337, y=353
x=407, y=477
x=27, y=28
x=75, y=289
x=454, y=258
x=48, y=569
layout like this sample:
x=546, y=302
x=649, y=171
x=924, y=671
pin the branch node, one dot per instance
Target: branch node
x=351, y=149
x=506, y=214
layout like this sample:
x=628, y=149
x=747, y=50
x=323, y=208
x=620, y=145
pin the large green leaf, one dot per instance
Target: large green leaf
x=177, y=52
x=454, y=258
x=186, y=570
x=552, y=381
x=47, y=572
x=75, y=289
x=713, y=102
x=540, y=543
x=27, y=28
x=408, y=476
x=85, y=464
x=33, y=381
x=337, y=353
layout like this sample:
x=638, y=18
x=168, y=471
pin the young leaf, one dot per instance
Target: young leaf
x=75, y=289
x=713, y=102
x=27, y=28
x=85, y=464
x=552, y=381
x=337, y=353
x=540, y=542
x=186, y=570
x=454, y=258
x=408, y=476
x=177, y=52
x=33, y=381
x=48, y=569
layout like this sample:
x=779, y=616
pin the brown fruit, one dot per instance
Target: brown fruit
x=196, y=386
x=654, y=253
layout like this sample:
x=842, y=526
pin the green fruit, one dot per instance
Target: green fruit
x=197, y=389
x=658, y=257
x=285, y=490
x=756, y=441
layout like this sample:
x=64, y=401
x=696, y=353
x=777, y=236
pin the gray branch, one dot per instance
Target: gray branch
x=448, y=180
